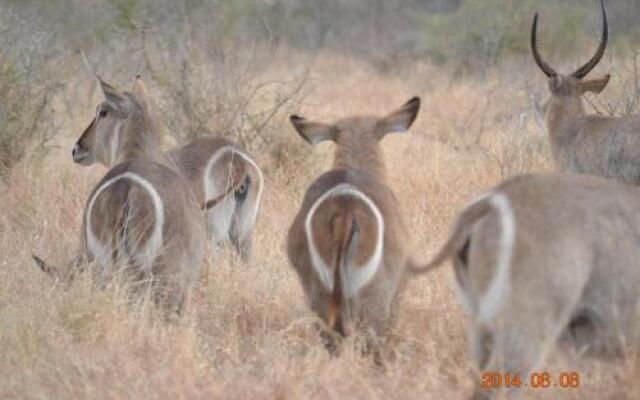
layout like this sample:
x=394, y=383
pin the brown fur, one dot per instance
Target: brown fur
x=605, y=146
x=231, y=173
x=174, y=270
x=123, y=213
x=341, y=223
x=231, y=218
x=347, y=242
x=238, y=175
x=592, y=144
x=96, y=144
x=576, y=241
x=192, y=158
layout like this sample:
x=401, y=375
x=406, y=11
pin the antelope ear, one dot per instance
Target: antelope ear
x=596, y=85
x=401, y=119
x=140, y=92
x=313, y=132
x=141, y=96
x=112, y=94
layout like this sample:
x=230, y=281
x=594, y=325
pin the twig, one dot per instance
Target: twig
x=279, y=104
x=87, y=64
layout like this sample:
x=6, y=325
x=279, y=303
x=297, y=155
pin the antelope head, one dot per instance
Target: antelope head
x=567, y=90
x=119, y=131
x=357, y=138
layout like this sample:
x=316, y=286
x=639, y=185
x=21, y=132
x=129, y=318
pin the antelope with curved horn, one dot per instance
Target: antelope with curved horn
x=543, y=260
x=348, y=243
x=605, y=146
x=142, y=215
x=225, y=179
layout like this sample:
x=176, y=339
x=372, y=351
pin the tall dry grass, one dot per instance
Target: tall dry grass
x=247, y=332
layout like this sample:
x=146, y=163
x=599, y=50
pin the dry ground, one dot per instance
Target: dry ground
x=248, y=333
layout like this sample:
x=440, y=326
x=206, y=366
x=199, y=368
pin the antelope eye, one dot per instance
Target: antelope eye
x=103, y=113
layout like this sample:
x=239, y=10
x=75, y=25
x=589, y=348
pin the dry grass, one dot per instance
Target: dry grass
x=248, y=333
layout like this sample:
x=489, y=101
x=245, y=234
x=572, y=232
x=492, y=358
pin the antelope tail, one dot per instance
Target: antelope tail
x=75, y=266
x=235, y=185
x=348, y=245
x=44, y=266
x=461, y=232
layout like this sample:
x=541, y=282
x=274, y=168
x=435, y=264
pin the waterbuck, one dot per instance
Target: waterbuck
x=215, y=167
x=605, y=146
x=348, y=243
x=547, y=257
x=225, y=179
x=142, y=215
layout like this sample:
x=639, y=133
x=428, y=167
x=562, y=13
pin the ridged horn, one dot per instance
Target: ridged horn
x=591, y=64
x=546, y=68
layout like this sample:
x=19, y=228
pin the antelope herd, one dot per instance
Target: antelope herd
x=541, y=260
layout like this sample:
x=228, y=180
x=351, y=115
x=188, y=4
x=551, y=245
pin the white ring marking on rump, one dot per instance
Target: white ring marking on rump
x=494, y=298
x=102, y=252
x=211, y=192
x=468, y=302
x=354, y=278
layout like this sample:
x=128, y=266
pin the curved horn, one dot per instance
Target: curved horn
x=546, y=68
x=585, y=69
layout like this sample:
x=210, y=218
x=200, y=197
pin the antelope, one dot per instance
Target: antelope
x=348, y=242
x=546, y=260
x=583, y=143
x=141, y=215
x=215, y=168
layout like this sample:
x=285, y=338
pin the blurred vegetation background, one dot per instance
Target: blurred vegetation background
x=201, y=55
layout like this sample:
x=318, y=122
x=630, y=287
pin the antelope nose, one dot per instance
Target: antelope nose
x=79, y=154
